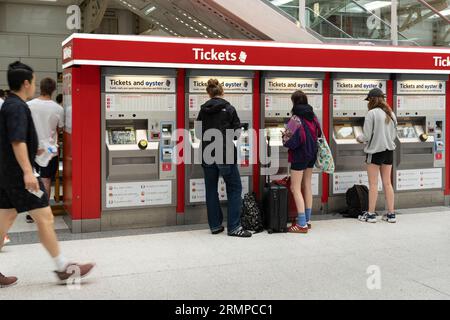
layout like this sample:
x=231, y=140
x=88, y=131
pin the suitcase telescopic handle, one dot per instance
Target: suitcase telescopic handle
x=269, y=154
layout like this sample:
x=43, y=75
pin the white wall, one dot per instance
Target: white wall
x=32, y=34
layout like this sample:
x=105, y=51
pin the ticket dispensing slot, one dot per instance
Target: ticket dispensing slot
x=416, y=147
x=348, y=151
x=124, y=155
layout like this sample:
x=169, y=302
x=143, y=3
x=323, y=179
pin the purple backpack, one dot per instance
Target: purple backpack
x=299, y=139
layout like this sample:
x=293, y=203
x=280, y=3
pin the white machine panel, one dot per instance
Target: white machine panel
x=140, y=102
x=420, y=103
x=242, y=102
x=347, y=105
x=342, y=181
x=197, y=189
x=419, y=179
x=136, y=194
x=275, y=103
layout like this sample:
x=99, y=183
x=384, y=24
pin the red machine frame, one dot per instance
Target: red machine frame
x=85, y=54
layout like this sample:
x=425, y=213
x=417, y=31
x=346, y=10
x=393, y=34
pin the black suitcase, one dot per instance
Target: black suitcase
x=275, y=204
x=275, y=200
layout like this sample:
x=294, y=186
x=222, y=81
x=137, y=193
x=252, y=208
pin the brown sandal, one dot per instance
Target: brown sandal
x=295, y=228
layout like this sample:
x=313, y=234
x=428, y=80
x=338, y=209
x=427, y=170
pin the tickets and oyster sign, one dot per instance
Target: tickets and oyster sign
x=230, y=85
x=356, y=86
x=147, y=84
x=421, y=87
x=289, y=85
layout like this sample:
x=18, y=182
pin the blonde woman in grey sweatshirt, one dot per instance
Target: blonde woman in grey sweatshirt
x=379, y=135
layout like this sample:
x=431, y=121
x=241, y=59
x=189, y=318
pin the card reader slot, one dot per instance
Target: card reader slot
x=133, y=161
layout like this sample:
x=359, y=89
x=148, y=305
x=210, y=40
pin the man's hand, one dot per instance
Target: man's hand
x=40, y=152
x=31, y=182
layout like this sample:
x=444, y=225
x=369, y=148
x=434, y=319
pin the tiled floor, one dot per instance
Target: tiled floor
x=410, y=260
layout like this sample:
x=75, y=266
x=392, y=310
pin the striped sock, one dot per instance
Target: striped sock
x=301, y=219
x=308, y=213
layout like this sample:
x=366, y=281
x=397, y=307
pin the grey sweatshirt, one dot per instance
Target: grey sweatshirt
x=377, y=134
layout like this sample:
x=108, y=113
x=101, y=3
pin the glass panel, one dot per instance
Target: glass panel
x=360, y=19
x=421, y=23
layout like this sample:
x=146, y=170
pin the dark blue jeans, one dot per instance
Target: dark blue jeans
x=232, y=178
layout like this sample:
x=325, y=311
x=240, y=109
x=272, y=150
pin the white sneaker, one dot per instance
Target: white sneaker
x=6, y=240
x=368, y=217
x=390, y=217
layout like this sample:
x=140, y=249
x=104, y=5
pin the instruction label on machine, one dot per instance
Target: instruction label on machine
x=197, y=191
x=230, y=85
x=148, y=84
x=419, y=179
x=289, y=85
x=342, y=181
x=421, y=87
x=356, y=86
x=136, y=194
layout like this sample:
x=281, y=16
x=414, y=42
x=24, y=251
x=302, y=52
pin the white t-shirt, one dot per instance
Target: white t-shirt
x=47, y=117
x=1, y=103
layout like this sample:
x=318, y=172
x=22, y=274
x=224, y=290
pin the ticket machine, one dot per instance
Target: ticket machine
x=276, y=105
x=238, y=89
x=138, y=168
x=348, y=110
x=420, y=155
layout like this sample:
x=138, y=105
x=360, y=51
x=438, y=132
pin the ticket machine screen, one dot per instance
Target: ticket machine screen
x=344, y=132
x=275, y=135
x=126, y=135
x=406, y=131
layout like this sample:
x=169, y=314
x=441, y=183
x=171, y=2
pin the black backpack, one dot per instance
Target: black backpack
x=251, y=214
x=357, y=198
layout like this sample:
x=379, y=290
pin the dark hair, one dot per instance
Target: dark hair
x=59, y=98
x=48, y=86
x=2, y=93
x=299, y=97
x=379, y=102
x=214, y=88
x=18, y=73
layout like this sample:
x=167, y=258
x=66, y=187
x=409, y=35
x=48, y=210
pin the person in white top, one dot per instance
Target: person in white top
x=48, y=118
x=2, y=97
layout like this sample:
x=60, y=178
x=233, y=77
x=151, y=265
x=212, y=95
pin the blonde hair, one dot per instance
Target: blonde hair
x=379, y=102
x=214, y=88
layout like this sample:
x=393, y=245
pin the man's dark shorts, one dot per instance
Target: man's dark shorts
x=48, y=172
x=380, y=158
x=20, y=199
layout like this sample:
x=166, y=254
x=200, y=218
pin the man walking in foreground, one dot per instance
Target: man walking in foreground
x=21, y=189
